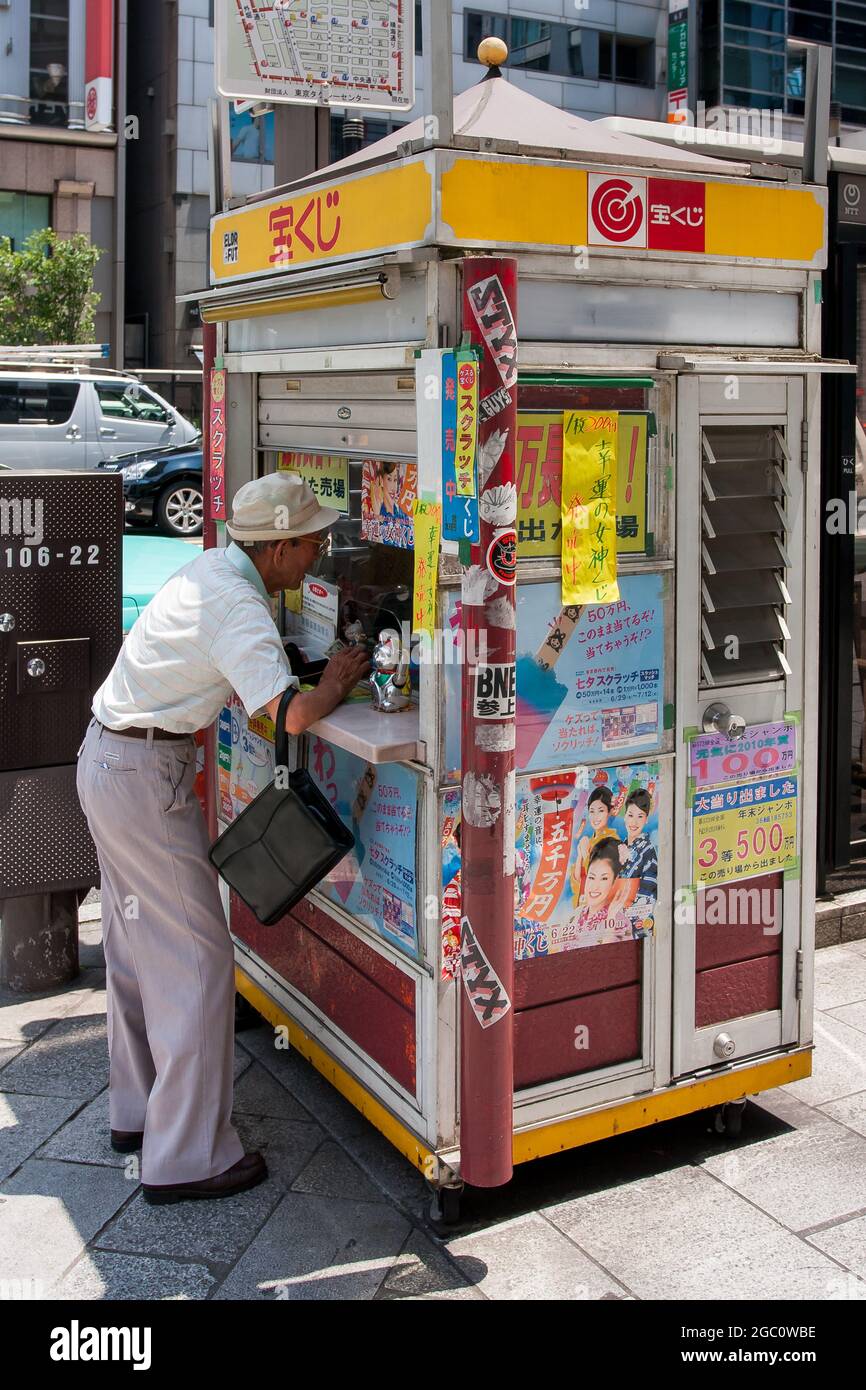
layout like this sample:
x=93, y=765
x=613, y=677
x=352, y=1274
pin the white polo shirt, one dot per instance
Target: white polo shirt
x=207, y=632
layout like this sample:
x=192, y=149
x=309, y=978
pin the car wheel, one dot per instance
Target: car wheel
x=180, y=511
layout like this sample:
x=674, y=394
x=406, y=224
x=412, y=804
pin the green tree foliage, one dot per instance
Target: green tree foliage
x=46, y=290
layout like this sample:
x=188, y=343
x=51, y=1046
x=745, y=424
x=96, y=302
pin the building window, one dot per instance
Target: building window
x=49, y=62
x=23, y=213
x=252, y=137
x=563, y=50
x=758, y=68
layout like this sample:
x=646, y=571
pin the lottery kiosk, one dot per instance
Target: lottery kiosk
x=562, y=386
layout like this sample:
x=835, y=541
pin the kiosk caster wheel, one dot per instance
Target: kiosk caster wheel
x=445, y=1205
x=728, y=1119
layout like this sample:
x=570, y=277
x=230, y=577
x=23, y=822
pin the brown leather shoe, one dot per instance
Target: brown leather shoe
x=126, y=1141
x=248, y=1172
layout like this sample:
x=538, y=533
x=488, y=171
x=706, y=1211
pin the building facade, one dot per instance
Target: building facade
x=58, y=164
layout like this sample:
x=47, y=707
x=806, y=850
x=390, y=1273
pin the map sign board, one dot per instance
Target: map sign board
x=333, y=52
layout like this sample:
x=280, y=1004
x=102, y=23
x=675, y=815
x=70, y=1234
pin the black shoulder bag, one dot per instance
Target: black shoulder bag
x=284, y=842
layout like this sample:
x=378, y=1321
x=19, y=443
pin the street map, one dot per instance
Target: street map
x=345, y=52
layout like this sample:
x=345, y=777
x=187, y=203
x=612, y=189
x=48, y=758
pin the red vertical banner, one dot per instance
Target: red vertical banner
x=488, y=738
x=218, y=444
x=99, y=65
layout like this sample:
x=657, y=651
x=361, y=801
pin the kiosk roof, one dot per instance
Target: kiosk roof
x=497, y=110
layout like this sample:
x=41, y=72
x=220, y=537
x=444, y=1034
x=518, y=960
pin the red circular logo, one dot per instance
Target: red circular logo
x=466, y=375
x=91, y=103
x=617, y=210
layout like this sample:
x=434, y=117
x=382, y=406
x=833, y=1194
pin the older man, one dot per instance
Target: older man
x=168, y=954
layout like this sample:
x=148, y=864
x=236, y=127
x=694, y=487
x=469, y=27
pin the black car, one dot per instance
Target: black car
x=163, y=487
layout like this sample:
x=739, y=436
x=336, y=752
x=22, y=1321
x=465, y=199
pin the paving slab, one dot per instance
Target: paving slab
x=8, y=1051
x=99, y=1276
x=71, y=1059
x=852, y=1014
x=25, y=1123
x=86, y=1138
x=214, y=1232
x=93, y=1001
x=846, y=1243
x=259, y=1093
x=49, y=1211
x=331, y=1173
x=243, y=1060
x=683, y=1235
x=319, y=1248
x=323, y=1102
x=840, y=977
x=24, y=1018
x=802, y=1178
x=390, y=1171
x=424, y=1270
x=850, y=1112
x=838, y=1062
x=531, y=1259
x=287, y=1145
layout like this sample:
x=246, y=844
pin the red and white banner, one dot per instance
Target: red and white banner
x=99, y=66
x=651, y=214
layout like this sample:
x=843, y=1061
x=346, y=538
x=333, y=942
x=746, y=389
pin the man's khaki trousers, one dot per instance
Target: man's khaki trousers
x=168, y=955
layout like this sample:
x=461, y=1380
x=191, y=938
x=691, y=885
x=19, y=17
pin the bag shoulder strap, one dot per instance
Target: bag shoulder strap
x=281, y=742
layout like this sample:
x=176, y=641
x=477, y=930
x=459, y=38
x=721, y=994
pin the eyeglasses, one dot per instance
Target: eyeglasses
x=323, y=547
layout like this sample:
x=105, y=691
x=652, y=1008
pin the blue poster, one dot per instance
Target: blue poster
x=375, y=882
x=590, y=678
x=459, y=514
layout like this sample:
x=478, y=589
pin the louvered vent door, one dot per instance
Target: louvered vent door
x=746, y=579
x=744, y=554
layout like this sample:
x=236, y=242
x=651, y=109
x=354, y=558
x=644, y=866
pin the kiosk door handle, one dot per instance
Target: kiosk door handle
x=717, y=719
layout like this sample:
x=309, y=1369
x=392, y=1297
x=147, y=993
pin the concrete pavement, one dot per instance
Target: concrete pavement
x=678, y=1212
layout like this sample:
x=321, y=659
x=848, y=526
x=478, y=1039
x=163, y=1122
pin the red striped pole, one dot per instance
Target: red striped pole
x=488, y=739
x=209, y=540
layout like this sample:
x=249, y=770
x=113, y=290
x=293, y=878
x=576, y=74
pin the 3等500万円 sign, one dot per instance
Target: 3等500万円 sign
x=742, y=832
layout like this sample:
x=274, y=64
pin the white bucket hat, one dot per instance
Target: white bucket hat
x=277, y=507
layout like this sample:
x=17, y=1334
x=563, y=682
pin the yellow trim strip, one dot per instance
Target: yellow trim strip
x=664, y=1105
x=618, y=1118
x=294, y=304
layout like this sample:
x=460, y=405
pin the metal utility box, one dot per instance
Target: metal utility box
x=60, y=607
x=583, y=888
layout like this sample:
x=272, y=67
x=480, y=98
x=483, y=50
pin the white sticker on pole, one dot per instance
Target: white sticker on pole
x=495, y=691
x=495, y=320
x=484, y=989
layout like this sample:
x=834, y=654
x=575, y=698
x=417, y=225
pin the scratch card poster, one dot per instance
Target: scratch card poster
x=590, y=677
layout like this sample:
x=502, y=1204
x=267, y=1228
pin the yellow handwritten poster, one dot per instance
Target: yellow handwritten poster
x=327, y=474
x=428, y=530
x=467, y=423
x=589, y=493
x=538, y=468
